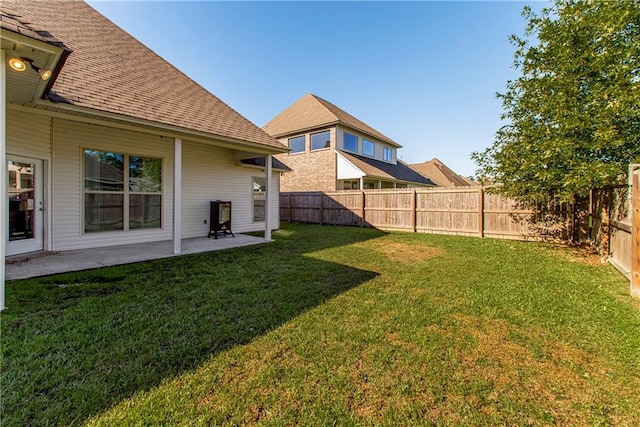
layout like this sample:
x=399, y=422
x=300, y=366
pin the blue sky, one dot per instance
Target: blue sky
x=423, y=73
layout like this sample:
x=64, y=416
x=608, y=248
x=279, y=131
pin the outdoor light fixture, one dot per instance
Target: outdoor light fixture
x=44, y=74
x=19, y=64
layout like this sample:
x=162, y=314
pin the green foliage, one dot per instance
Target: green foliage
x=574, y=114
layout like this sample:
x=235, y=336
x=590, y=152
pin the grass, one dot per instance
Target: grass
x=328, y=325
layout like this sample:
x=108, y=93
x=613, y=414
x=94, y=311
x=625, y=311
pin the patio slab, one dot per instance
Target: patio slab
x=46, y=263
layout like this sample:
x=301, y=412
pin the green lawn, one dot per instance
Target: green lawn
x=328, y=325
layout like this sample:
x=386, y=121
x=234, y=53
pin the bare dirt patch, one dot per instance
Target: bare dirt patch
x=404, y=253
x=581, y=254
x=557, y=377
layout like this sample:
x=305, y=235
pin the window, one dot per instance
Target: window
x=320, y=140
x=145, y=192
x=351, y=185
x=350, y=142
x=368, y=148
x=387, y=154
x=121, y=192
x=368, y=185
x=259, y=188
x=297, y=144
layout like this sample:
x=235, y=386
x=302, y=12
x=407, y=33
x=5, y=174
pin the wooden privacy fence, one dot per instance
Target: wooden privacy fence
x=614, y=216
x=610, y=220
x=610, y=225
x=468, y=211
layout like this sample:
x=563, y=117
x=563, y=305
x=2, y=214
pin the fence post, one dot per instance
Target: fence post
x=590, y=216
x=481, y=212
x=606, y=223
x=362, y=211
x=414, y=207
x=635, y=233
x=290, y=209
x=321, y=208
x=574, y=221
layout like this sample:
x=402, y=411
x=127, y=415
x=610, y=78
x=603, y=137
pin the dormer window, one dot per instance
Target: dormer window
x=320, y=140
x=350, y=142
x=387, y=154
x=368, y=148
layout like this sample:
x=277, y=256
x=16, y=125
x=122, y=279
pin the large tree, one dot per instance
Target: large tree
x=573, y=116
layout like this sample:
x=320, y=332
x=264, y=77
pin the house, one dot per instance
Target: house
x=105, y=143
x=332, y=150
x=441, y=174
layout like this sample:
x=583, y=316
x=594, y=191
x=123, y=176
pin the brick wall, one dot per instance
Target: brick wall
x=311, y=170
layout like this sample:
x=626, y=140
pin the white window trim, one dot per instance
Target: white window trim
x=253, y=200
x=297, y=152
x=125, y=195
x=311, y=140
x=387, y=150
x=374, y=148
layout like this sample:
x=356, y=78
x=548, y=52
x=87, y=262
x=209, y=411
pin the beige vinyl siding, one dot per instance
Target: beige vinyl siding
x=28, y=135
x=212, y=173
x=69, y=140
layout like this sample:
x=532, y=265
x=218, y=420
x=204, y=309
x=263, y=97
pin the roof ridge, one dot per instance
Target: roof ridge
x=323, y=103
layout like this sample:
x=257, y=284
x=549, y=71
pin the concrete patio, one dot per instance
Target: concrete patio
x=46, y=263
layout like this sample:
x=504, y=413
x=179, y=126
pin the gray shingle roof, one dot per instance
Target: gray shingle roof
x=111, y=71
x=400, y=171
x=311, y=112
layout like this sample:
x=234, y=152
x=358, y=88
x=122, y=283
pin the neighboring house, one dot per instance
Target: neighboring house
x=441, y=174
x=332, y=150
x=113, y=145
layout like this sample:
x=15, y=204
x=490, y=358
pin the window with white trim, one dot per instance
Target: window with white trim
x=387, y=154
x=121, y=192
x=368, y=148
x=259, y=188
x=297, y=144
x=320, y=140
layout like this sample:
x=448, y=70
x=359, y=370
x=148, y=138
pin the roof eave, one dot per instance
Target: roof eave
x=58, y=53
x=302, y=130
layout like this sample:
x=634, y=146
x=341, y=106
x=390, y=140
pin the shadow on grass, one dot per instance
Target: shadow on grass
x=75, y=344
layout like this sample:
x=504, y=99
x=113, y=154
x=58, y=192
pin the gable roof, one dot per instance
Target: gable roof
x=311, y=112
x=112, y=72
x=377, y=168
x=441, y=174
